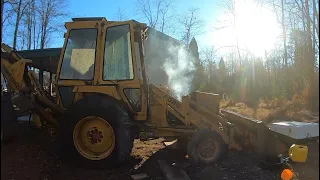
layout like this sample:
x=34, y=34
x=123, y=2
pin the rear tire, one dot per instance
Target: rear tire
x=206, y=147
x=108, y=113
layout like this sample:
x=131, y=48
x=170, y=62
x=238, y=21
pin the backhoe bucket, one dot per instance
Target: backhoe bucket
x=208, y=100
x=255, y=135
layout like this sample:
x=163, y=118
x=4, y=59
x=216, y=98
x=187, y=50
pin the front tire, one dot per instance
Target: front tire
x=96, y=138
x=206, y=147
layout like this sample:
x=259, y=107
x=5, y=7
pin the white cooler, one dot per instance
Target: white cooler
x=296, y=130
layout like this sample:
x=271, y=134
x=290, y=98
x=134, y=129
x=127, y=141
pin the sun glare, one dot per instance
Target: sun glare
x=256, y=28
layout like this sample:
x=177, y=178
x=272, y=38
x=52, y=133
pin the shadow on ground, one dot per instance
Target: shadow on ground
x=34, y=155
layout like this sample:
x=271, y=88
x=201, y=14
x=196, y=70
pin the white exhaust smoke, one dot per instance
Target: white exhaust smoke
x=179, y=67
x=168, y=63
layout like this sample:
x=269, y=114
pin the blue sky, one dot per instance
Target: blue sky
x=106, y=8
x=257, y=28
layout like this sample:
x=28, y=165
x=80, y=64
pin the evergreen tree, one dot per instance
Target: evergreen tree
x=199, y=74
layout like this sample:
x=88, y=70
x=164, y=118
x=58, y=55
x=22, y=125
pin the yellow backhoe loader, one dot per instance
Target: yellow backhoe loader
x=104, y=101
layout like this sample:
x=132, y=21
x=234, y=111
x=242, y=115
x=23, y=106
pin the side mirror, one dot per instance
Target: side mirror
x=144, y=35
x=145, y=29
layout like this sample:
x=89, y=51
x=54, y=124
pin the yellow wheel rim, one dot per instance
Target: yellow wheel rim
x=94, y=138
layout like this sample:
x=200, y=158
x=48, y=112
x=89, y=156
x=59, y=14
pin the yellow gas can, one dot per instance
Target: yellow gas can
x=298, y=153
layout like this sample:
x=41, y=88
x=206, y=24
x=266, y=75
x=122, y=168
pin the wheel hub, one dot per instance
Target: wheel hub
x=207, y=150
x=94, y=135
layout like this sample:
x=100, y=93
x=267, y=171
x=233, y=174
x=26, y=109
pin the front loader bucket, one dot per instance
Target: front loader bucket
x=254, y=134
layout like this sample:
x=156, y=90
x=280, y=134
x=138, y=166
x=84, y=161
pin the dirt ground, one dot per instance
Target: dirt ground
x=33, y=155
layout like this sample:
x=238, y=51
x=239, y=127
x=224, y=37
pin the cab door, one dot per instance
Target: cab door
x=121, y=66
x=77, y=62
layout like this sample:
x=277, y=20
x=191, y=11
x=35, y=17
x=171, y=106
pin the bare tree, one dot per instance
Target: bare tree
x=166, y=14
x=208, y=55
x=157, y=13
x=120, y=15
x=19, y=8
x=6, y=13
x=29, y=21
x=2, y=6
x=310, y=58
x=50, y=12
x=16, y=27
x=150, y=10
x=310, y=28
x=229, y=8
x=315, y=23
x=284, y=34
x=209, y=60
x=33, y=23
x=22, y=37
x=191, y=24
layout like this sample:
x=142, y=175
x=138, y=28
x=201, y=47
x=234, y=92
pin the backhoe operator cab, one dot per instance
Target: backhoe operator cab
x=101, y=82
x=101, y=56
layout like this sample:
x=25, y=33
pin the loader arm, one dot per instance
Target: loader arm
x=237, y=131
x=26, y=91
x=186, y=112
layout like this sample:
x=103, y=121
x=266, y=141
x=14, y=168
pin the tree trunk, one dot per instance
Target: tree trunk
x=34, y=25
x=44, y=35
x=285, y=52
x=284, y=35
x=38, y=36
x=44, y=26
x=23, y=40
x=2, y=5
x=237, y=42
x=29, y=26
x=314, y=24
x=16, y=27
x=162, y=25
x=303, y=15
x=310, y=58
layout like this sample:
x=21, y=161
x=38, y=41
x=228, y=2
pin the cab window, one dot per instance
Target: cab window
x=79, y=57
x=117, y=63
